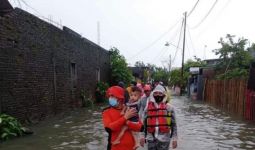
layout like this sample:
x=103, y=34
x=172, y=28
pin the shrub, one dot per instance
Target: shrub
x=100, y=94
x=86, y=99
x=9, y=127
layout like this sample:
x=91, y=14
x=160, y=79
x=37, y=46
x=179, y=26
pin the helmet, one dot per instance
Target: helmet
x=116, y=91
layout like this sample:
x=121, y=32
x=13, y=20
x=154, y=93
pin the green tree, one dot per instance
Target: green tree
x=119, y=68
x=235, y=57
x=160, y=74
x=193, y=63
x=175, y=75
x=139, y=64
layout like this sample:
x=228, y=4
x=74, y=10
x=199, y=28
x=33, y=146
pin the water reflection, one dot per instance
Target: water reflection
x=200, y=127
x=204, y=127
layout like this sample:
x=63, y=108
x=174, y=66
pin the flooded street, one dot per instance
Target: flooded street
x=200, y=127
x=80, y=130
x=203, y=127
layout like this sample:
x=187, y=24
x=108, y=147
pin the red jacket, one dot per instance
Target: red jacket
x=113, y=122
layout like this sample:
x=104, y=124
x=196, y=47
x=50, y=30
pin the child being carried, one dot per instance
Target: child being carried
x=135, y=95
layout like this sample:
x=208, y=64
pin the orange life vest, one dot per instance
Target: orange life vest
x=158, y=117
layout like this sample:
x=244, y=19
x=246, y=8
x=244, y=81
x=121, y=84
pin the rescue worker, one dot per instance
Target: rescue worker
x=116, y=116
x=160, y=122
x=142, y=103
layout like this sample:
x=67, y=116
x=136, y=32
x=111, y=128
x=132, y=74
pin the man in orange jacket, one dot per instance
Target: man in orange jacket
x=114, y=118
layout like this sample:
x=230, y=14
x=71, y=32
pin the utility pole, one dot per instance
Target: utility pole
x=170, y=62
x=205, y=52
x=183, y=48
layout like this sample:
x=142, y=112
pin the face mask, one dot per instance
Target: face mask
x=158, y=98
x=113, y=101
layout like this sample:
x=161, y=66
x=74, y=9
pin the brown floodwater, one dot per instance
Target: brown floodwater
x=200, y=127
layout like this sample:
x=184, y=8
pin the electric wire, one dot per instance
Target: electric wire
x=19, y=4
x=24, y=2
x=14, y=2
x=191, y=11
x=192, y=44
x=177, y=48
x=217, y=17
x=40, y=15
x=155, y=41
x=162, y=51
x=203, y=19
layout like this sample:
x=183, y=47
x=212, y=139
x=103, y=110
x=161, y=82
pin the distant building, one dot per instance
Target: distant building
x=141, y=73
x=195, y=85
x=211, y=62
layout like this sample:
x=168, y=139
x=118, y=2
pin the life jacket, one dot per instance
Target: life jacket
x=159, y=114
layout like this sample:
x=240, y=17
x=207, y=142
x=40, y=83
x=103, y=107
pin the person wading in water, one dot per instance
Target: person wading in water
x=115, y=117
x=159, y=121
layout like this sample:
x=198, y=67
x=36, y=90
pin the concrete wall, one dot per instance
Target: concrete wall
x=43, y=68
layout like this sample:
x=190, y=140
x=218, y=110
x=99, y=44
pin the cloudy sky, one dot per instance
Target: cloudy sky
x=140, y=28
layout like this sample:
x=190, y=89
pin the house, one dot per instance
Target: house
x=197, y=77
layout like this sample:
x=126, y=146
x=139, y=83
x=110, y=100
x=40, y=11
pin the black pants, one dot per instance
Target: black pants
x=158, y=145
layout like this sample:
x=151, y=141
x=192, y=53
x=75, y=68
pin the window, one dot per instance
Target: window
x=98, y=74
x=73, y=75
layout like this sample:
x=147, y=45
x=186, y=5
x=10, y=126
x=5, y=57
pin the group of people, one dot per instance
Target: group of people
x=139, y=115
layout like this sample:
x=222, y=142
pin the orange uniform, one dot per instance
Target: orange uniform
x=113, y=122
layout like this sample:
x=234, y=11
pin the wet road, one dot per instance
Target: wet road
x=200, y=127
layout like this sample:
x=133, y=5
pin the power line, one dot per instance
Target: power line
x=177, y=48
x=154, y=42
x=19, y=4
x=41, y=16
x=215, y=18
x=159, y=54
x=205, y=15
x=191, y=11
x=23, y=1
x=163, y=54
x=175, y=35
x=14, y=2
x=192, y=44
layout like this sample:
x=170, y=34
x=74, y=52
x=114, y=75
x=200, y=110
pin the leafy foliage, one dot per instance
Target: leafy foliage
x=100, y=94
x=160, y=74
x=235, y=58
x=175, y=75
x=234, y=73
x=86, y=99
x=191, y=63
x=119, y=68
x=9, y=127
